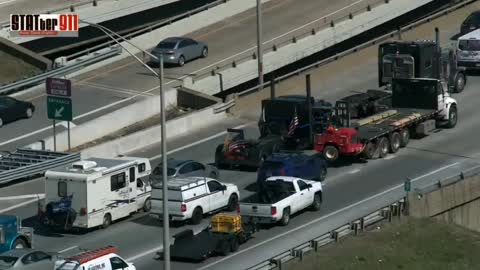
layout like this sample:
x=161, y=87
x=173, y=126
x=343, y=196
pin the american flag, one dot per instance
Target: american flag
x=294, y=124
x=236, y=145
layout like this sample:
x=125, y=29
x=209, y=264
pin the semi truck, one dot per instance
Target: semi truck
x=13, y=235
x=418, y=106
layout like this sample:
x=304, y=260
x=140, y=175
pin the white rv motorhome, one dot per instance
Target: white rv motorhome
x=96, y=192
x=468, y=47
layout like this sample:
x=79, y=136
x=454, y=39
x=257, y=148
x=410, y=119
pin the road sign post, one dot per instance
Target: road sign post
x=59, y=104
x=407, y=186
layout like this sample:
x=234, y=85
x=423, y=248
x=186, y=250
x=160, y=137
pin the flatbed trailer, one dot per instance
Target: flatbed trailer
x=225, y=234
x=419, y=106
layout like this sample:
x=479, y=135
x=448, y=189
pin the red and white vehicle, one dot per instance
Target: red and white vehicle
x=102, y=258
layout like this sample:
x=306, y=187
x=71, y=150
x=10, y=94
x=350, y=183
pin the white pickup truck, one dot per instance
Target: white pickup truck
x=192, y=197
x=281, y=197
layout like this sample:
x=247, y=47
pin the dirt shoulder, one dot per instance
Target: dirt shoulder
x=13, y=69
x=409, y=244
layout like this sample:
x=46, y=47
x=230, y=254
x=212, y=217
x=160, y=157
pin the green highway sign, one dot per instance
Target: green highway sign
x=59, y=108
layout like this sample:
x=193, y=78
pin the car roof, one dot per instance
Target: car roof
x=18, y=252
x=472, y=35
x=174, y=39
x=284, y=156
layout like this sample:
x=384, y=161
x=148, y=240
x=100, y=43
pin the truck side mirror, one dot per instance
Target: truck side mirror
x=309, y=185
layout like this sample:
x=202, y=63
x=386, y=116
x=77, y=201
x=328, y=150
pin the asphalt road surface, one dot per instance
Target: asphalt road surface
x=345, y=184
x=106, y=89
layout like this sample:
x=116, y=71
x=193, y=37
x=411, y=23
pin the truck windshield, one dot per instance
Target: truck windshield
x=469, y=45
x=7, y=261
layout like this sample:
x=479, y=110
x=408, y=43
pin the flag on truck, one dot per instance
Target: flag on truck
x=293, y=124
x=236, y=146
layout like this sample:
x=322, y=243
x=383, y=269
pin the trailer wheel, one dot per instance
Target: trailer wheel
x=19, y=244
x=404, y=137
x=197, y=216
x=383, y=147
x=459, y=83
x=285, y=217
x=395, y=142
x=107, y=221
x=234, y=245
x=330, y=153
x=452, y=117
x=370, y=150
x=224, y=247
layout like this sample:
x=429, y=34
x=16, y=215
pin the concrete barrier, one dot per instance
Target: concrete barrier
x=176, y=127
x=109, y=123
x=305, y=47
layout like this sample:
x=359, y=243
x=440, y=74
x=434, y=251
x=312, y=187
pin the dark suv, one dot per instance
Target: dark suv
x=292, y=164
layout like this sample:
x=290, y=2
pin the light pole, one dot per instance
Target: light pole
x=166, y=233
x=259, y=45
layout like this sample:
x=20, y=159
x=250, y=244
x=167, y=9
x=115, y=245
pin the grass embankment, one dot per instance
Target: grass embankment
x=412, y=244
x=13, y=69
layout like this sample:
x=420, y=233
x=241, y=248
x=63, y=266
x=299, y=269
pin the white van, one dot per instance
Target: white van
x=102, y=258
x=191, y=197
x=468, y=47
x=96, y=192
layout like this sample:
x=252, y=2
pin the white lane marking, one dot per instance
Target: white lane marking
x=67, y=249
x=6, y=2
x=145, y=253
x=354, y=171
x=18, y=197
x=199, y=142
x=20, y=205
x=324, y=217
x=389, y=157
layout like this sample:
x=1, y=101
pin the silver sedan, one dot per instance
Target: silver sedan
x=178, y=50
x=27, y=259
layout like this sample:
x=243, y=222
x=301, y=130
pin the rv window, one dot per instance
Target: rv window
x=62, y=189
x=141, y=167
x=117, y=181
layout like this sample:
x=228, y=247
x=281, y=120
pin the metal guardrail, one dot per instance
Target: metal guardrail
x=395, y=208
x=293, y=36
x=361, y=46
x=224, y=106
x=27, y=163
x=61, y=71
x=71, y=8
x=142, y=29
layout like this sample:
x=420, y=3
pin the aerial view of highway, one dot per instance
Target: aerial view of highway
x=238, y=134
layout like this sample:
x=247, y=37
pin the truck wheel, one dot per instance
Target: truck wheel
x=395, y=142
x=19, y=244
x=232, y=202
x=147, y=205
x=404, y=137
x=459, y=83
x=317, y=202
x=197, y=216
x=383, y=147
x=452, y=117
x=330, y=153
x=107, y=221
x=285, y=217
x=234, y=245
x=323, y=174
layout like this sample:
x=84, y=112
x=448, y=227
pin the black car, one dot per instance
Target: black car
x=472, y=22
x=12, y=109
